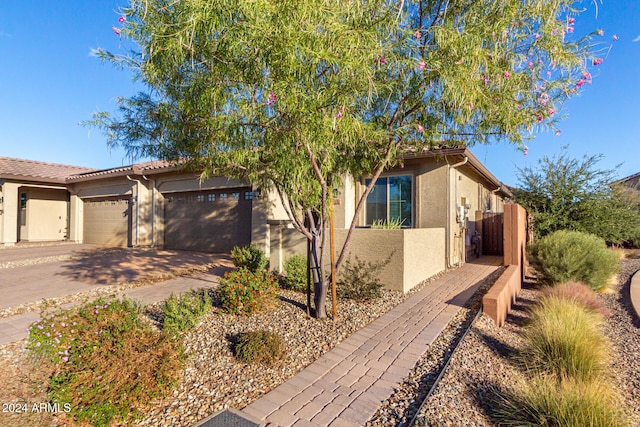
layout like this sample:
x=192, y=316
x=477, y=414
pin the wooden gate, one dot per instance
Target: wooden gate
x=492, y=233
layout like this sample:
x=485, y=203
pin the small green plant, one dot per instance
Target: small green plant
x=262, y=347
x=571, y=255
x=244, y=292
x=391, y=224
x=106, y=361
x=578, y=293
x=182, y=313
x=548, y=402
x=295, y=268
x=563, y=338
x=250, y=257
x=359, y=280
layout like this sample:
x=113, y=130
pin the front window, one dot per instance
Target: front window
x=390, y=200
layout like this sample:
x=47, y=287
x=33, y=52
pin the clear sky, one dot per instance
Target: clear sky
x=49, y=82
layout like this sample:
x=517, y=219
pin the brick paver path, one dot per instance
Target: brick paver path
x=346, y=386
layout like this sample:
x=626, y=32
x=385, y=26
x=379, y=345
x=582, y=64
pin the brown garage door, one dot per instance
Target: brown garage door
x=209, y=221
x=107, y=221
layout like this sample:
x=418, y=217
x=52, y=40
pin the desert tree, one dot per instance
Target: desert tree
x=294, y=95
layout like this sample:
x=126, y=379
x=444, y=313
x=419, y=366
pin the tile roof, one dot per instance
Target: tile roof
x=153, y=166
x=38, y=171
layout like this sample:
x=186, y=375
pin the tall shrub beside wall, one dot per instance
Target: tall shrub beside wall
x=572, y=255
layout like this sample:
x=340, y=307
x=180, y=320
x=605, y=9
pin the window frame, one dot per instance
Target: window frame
x=413, y=196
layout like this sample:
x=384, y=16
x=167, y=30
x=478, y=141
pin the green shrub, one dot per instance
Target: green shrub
x=182, y=313
x=295, y=268
x=262, y=347
x=107, y=362
x=250, y=257
x=571, y=255
x=548, y=402
x=359, y=280
x=578, y=293
x=244, y=292
x=564, y=338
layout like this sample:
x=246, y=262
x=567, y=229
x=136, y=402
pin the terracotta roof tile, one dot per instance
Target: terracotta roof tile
x=35, y=170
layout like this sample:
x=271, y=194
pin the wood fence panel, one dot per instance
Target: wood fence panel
x=492, y=233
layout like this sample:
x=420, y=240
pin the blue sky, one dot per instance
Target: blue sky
x=50, y=82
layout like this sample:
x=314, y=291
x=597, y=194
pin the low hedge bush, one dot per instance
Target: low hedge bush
x=182, y=313
x=360, y=280
x=250, y=257
x=106, y=361
x=262, y=347
x=564, y=338
x=295, y=268
x=244, y=292
x=571, y=255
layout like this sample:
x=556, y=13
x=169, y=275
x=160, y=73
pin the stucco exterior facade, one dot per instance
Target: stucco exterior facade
x=441, y=198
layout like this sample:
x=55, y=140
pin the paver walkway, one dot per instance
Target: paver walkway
x=346, y=386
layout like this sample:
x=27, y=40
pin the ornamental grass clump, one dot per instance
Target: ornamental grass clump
x=105, y=361
x=295, y=268
x=245, y=292
x=566, y=402
x=580, y=294
x=571, y=255
x=182, y=313
x=263, y=347
x=563, y=338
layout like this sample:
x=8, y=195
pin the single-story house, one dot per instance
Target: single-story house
x=439, y=197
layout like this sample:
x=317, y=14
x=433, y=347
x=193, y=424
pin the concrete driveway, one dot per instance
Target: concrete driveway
x=29, y=274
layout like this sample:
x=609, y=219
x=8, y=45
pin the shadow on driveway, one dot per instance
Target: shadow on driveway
x=118, y=265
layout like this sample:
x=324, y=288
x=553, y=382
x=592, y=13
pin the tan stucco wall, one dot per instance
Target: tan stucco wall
x=10, y=212
x=415, y=254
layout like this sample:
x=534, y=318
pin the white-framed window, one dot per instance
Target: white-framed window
x=212, y=197
x=248, y=195
x=223, y=196
x=200, y=197
x=235, y=196
x=390, y=199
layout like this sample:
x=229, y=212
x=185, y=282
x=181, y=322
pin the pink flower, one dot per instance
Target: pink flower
x=417, y=34
x=598, y=61
x=600, y=32
x=271, y=98
x=526, y=150
x=548, y=73
x=569, y=29
x=579, y=83
x=485, y=80
x=421, y=65
x=65, y=359
x=381, y=60
x=38, y=344
x=122, y=18
x=571, y=21
x=537, y=36
x=506, y=74
x=420, y=128
x=615, y=38
x=586, y=75
x=558, y=132
x=339, y=114
x=540, y=118
x=530, y=64
x=116, y=30
x=551, y=111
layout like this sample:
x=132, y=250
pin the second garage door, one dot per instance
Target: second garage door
x=209, y=221
x=107, y=221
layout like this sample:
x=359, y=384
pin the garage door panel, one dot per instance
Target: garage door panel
x=211, y=221
x=107, y=221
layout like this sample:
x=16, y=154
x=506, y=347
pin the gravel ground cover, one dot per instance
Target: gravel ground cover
x=482, y=363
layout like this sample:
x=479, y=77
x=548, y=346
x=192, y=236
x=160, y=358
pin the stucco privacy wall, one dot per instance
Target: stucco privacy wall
x=415, y=253
x=10, y=212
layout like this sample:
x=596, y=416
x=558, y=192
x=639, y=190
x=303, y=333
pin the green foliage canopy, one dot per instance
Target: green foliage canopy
x=293, y=95
x=572, y=194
